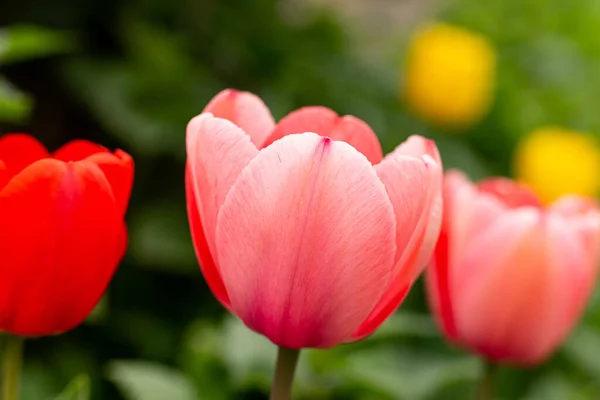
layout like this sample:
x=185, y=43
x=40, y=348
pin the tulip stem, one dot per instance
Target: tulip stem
x=284, y=374
x=13, y=358
x=486, y=384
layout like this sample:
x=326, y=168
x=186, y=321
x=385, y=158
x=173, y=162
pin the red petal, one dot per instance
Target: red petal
x=118, y=169
x=18, y=150
x=78, y=150
x=58, y=245
x=4, y=175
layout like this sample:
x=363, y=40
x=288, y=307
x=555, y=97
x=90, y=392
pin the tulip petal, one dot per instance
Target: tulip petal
x=77, y=150
x=306, y=241
x=5, y=175
x=61, y=233
x=432, y=232
x=408, y=182
x=207, y=264
x=18, y=150
x=437, y=281
x=417, y=146
x=510, y=192
x=118, y=169
x=473, y=213
x=217, y=152
x=465, y=214
x=501, y=297
x=325, y=122
x=574, y=273
x=584, y=216
x=244, y=109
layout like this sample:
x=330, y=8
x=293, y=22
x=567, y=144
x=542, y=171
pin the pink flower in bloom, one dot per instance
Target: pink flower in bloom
x=510, y=279
x=312, y=239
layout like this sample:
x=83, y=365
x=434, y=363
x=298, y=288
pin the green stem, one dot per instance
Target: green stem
x=13, y=357
x=486, y=382
x=284, y=374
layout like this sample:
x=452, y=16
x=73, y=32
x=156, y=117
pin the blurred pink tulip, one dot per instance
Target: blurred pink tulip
x=509, y=278
x=304, y=239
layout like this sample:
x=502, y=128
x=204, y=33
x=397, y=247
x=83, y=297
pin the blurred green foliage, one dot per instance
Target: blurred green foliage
x=549, y=58
x=20, y=43
x=142, y=68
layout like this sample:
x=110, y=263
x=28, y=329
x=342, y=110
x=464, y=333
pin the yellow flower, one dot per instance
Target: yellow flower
x=554, y=161
x=449, y=75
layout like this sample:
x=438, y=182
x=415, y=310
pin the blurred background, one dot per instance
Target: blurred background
x=505, y=87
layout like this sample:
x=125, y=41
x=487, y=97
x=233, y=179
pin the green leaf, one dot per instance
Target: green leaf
x=583, y=348
x=24, y=42
x=202, y=359
x=249, y=356
x=113, y=106
x=407, y=373
x=78, y=389
x=38, y=381
x=147, y=97
x=139, y=380
x=405, y=323
x=15, y=106
x=557, y=387
x=99, y=313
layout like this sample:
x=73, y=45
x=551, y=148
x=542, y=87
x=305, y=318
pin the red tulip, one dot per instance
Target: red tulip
x=303, y=238
x=510, y=278
x=63, y=232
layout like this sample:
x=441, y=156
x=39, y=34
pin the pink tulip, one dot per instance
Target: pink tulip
x=510, y=278
x=304, y=239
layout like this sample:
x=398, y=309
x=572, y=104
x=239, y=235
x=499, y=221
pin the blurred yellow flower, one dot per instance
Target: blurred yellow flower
x=449, y=75
x=554, y=161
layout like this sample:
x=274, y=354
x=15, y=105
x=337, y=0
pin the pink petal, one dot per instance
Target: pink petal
x=511, y=193
x=217, y=152
x=418, y=146
x=207, y=263
x=412, y=185
x=325, y=122
x=469, y=214
x=431, y=234
x=584, y=215
x=574, y=273
x=572, y=205
x=500, y=299
x=437, y=280
x=466, y=213
x=306, y=241
x=244, y=109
